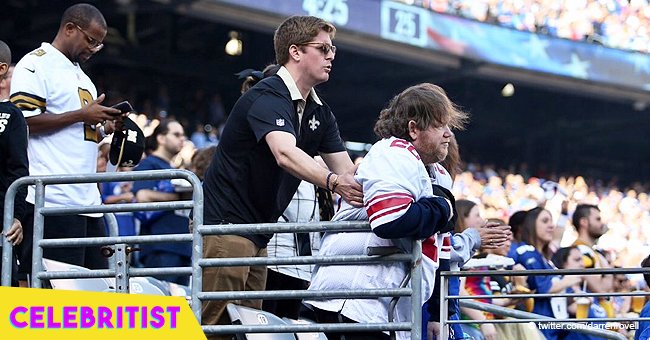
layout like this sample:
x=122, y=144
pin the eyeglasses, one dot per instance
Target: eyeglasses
x=94, y=43
x=324, y=47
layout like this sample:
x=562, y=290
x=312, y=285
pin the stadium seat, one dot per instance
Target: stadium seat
x=142, y=285
x=91, y=285
x=305, y=336
x=241, y=315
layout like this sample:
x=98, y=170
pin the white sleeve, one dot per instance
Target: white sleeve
x=392, y=179
x=28, y=90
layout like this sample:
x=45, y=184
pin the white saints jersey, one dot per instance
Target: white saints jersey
x=46, y=82
x=393, y=177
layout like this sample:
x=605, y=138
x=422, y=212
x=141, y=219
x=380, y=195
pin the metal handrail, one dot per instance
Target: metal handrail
x=531, y=317
x=525, y=317
x=198, y=263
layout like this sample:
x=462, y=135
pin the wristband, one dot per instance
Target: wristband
x=327, y=181
x=336, y=183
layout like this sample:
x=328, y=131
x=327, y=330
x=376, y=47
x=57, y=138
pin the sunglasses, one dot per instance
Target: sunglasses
x=94, y=43
x=324, y=47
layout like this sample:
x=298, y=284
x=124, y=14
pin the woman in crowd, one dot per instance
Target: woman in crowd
x=535, y=253
x=469, y=216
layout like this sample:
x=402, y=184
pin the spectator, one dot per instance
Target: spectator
x=5, y=82
x=571, y=258
x=270, y=137
x=534, y=253
x=590, y=227
x=120, y=192
x=166, y=141
x=643, y=331
x=201, y=161
x=66, y=119
x=401, y=204
x=13, y=153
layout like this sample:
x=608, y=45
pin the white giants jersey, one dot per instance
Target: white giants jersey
x=46, y=82
x=393, y=177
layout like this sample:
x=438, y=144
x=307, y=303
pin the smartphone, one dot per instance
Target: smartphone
x=124, y=107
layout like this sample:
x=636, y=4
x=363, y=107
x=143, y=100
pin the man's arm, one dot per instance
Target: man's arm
x=148, y=195
x=295, y=161
x=93, y=113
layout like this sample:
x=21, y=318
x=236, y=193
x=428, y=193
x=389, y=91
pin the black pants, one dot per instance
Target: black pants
x=323, y=316
x=283, y=308
x=75, y=226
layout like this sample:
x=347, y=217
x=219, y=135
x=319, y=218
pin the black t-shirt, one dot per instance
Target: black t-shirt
x=13, y=155
x=244, y=184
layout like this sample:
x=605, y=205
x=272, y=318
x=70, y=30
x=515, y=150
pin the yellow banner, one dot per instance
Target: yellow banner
x=27, y=313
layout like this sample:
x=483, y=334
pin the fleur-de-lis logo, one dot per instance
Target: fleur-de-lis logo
x=313, y=123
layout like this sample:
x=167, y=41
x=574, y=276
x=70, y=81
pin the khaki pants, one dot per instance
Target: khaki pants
x=230, y=279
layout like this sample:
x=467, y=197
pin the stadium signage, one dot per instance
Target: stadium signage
x=482, y=42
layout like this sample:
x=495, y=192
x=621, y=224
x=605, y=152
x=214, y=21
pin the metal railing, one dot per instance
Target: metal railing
x=121, y=270
x=265, y=228
x=517, y=316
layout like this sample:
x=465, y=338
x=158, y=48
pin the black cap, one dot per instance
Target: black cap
x=127, y=145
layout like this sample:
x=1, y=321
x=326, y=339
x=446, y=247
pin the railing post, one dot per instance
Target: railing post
x=416, y=287
x=444, y=288
x=39, y=223
x=122, y=266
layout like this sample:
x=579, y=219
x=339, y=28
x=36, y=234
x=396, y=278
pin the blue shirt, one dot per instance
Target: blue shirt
x=643, y=333
x=161, y=222
x=532, y=259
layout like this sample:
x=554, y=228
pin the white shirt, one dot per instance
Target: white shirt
x=393, y=177
x=46, y=82
x=303, y=208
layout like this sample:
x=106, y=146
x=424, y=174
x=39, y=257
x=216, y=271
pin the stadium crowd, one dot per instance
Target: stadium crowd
x=620, y=24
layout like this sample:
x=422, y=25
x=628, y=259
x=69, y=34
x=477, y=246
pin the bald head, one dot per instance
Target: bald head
x=5, y=53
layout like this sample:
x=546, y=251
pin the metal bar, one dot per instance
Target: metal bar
x=416, y=286
x=7, y=247
x=294, y=328
x=531, y=317
x=260, y=228
x=348, y=259
x=300, y=294
x=119, y=207
x=101, y=241
x=545, y=295
x=537, y=272
x=196, y=283
x=111, y=224
x=97, y=273
x=113, y=231
x=444, y=309
x=499, y=310
x=121, y=268
x=39, y=227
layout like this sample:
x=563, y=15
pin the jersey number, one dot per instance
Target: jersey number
x=90, y=131
x=400, y=143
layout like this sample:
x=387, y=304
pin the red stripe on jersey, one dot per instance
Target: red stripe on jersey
x=388, y=212
x=387, y=203
x=392, y=194
x=446, y=243
x=430, y=248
